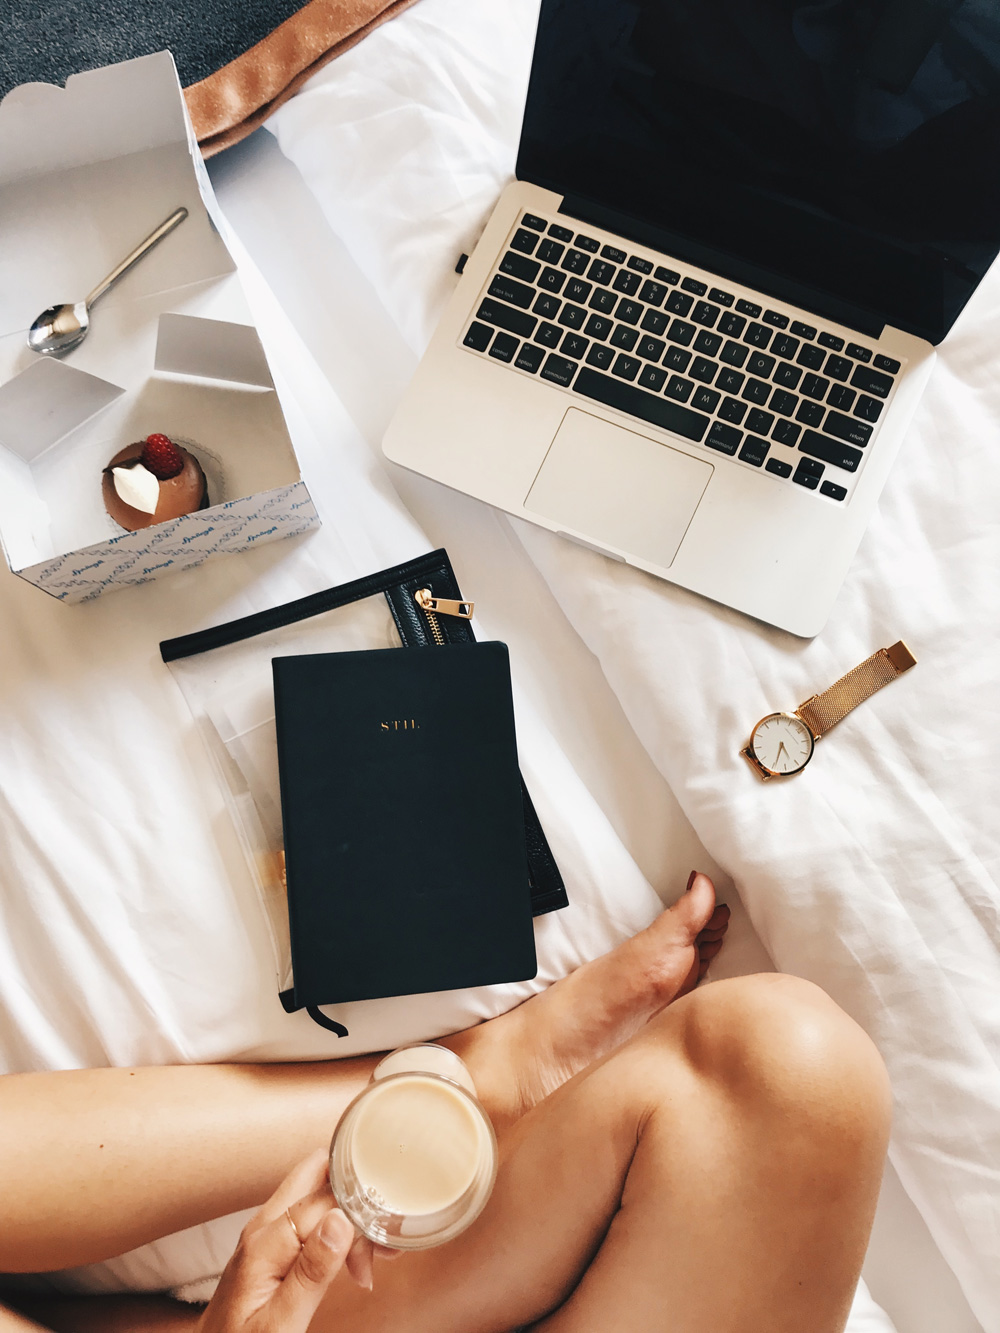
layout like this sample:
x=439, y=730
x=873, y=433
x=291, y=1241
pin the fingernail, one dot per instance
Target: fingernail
x=336, y=1232
x=690, y=880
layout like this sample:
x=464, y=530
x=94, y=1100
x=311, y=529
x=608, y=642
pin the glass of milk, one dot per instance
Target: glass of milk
x=414, y=1157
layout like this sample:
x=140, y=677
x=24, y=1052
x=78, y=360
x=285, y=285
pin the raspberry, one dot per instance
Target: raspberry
x=161, y=457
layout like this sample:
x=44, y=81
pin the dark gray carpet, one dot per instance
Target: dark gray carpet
x=47, y=40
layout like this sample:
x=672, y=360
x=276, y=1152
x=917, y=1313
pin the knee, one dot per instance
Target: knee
x=786, y=1052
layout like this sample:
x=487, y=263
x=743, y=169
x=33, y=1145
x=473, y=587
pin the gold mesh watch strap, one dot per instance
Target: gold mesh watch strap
x=825, y=710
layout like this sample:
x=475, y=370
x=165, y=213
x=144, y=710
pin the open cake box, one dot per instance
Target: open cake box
x=86, y=172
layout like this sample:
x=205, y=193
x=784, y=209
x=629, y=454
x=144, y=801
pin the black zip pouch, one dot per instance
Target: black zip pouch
x=226, y=677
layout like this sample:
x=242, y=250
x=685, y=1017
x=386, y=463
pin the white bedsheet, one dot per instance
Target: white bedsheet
x=876, y=872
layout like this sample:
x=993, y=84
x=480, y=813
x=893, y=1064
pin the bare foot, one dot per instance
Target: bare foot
x=525, y=1054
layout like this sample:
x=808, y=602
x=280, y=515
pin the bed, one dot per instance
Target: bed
x=878, y=880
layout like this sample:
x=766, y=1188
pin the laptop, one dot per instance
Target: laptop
x=698, y=322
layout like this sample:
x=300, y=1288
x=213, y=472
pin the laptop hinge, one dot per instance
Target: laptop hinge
x=725, y=265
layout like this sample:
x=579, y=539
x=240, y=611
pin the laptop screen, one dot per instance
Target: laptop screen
x=847, y=149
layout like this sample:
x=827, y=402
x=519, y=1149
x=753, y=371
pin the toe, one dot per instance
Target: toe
x=694, y=909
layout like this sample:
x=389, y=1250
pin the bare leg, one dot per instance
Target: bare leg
x=719, y=1171
x=108, y=1159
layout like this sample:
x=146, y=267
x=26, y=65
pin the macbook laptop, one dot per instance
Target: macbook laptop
x=698, y=322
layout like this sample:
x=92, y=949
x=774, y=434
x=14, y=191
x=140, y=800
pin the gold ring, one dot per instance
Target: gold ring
x=291, y=1223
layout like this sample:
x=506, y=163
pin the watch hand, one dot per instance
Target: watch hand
x=780, y=748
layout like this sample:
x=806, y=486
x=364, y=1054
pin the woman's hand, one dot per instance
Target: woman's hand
x=281, y=1269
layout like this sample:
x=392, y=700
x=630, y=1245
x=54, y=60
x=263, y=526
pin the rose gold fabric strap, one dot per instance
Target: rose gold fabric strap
x=825, y=710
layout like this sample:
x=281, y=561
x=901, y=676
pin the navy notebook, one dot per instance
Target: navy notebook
x=403, y=822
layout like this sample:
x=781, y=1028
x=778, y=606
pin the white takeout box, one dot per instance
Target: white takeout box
x=86, y=172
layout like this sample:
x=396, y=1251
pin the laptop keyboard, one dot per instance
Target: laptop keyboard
x=792, y=399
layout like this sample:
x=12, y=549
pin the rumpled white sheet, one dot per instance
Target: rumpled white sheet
x=875, y=873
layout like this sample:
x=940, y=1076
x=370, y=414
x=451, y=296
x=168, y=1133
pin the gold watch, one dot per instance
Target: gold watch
x=781, y=744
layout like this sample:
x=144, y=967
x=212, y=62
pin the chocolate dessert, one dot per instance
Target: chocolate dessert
x=163, y=479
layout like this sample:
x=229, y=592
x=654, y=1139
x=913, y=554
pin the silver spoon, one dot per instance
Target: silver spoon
x=63, y=327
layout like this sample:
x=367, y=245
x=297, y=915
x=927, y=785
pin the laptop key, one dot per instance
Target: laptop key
x=841, y=397
x=787, y=376
x=504, y=346
x=624, y=337
x=871, y=381
x=887, y=364
x=679, y=303
x=640, y=265
x=682, y=333
x=759, y=422
x=629, y=311
x=693, y=285
x=720, y=297
x=756, y=391
x=709, y=343
x=784, y=402
x=654, y=321
x=779, y=468
x=814, y=386
x=831, y=340
x=514, y=293
x=805, y=476
x=776, y=318
x=652, y=292
x=547, y=306
x=573, y=316
x=754, y=450
x=558, y=370
x=587, y=243
x=704, y=370
x=525, y=241
x=705, y=313
x=603, y=300
x=598, y=326
x=548, y=335
x=830, y=451
x=868, y=409
x=651, y=349
x=601, y=272
x=657, y=410
x=574, y=345
x=550, y=252
x=576, y=261
x=679, y=388
x=786, y=432
x=535, y=223
x=732, y=325
x=615, y=255
x=627, y=282
x=730, y=381
x=652, y=377
x=601, y=356
x=732, y=410
x=676, y=358
x=858, y=352
x=560, y=233
x=529, y=358
x=759, y=364
x=785, y=345
x=810, y=414
x=519, y=266
x=706, y=399
x=803, y=330
x=846, y=428
x=667, y=275
x=551, y=280
x=577, y=290
x=748, y=308
x=626, y=367
x=734, y=354
x=514, y=321
x=810, y=356
x=834, y=491
x=478, y=337
x=724, y=438
x=758, y=335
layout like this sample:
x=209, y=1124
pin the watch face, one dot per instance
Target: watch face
x=782, y=744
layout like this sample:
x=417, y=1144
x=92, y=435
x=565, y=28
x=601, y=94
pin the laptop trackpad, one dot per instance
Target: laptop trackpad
x=618, y=488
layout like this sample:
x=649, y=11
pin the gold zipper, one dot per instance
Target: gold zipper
x=433, y=607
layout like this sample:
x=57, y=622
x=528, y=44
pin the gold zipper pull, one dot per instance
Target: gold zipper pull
x=443, y=606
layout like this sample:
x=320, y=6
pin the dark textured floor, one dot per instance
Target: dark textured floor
x=47, y=40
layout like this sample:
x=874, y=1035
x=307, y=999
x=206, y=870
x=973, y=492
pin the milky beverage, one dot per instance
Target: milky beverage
x=417, y=1144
